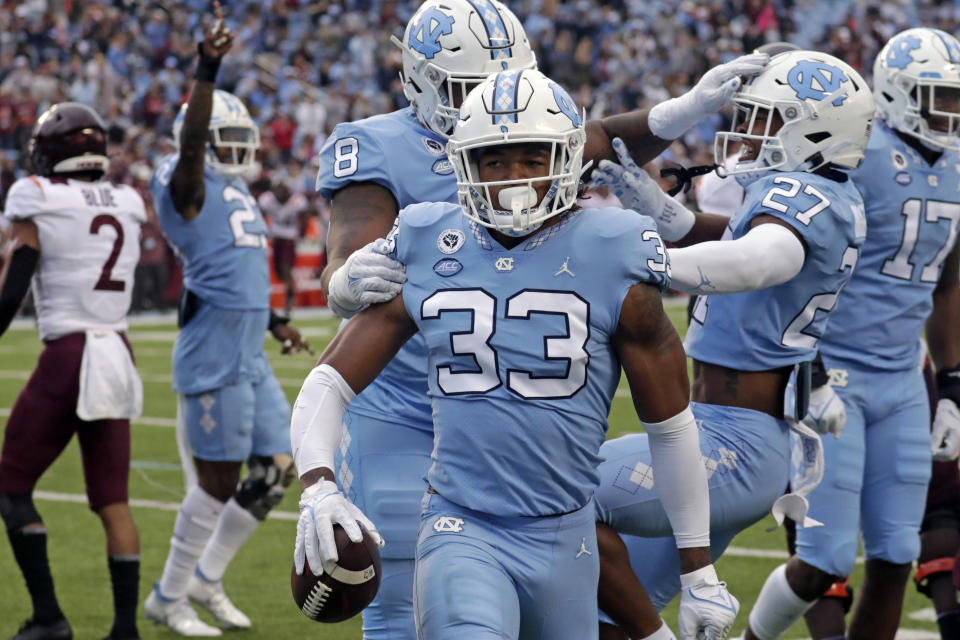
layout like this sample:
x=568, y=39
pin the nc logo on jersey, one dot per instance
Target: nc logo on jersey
x=566, y=104
x=838, y=377
x=450, y=240
x=503, y=264
x=442, y=167
x=814, y=80
x=448, y=524
x=899, y=56
x=447, y=267
x=425, y=36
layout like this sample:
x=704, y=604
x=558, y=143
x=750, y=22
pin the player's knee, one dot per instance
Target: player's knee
x=17, y=511
x=265, y=483
x=900, y=547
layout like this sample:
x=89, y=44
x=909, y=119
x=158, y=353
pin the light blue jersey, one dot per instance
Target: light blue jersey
x=522, y=367
x=912, y=212
x=395, y=151
x=781, y=326
x=223, y=253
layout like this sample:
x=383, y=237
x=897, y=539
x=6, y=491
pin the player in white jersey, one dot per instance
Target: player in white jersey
x=285, y=209
x=78, y=237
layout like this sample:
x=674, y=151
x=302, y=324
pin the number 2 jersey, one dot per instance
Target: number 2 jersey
x=224, y=256
x=912, y=213
x=396, y=152
x=89, y=236
x=522, y=369
x=781, y=325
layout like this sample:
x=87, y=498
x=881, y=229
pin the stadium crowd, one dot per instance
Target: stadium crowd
x=303, y=67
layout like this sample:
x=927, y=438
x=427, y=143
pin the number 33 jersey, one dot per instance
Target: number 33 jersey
x=224, y=249
x=781, y=325
x=522, y=367
x=912, y=214
x=89, y=236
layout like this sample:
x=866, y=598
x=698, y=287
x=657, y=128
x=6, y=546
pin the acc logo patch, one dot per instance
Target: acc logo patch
x=425, y=36
x=447, y=267
x=450, y=240
x=448, y=524
x=813, y=80
x=435, y=148
x=442, y=167
x=903, y=178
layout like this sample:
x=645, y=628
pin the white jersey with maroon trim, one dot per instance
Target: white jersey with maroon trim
x=89, y=247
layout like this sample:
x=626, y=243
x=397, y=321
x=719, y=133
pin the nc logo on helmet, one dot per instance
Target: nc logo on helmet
x=814, y=80
x=899, y=55
x=425, y=37
x=566, y=104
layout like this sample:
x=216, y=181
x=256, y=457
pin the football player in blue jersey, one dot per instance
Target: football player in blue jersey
x=370, y=170
x=877, y=473
x=230, y=404
x=784, y=257
x=528, y=308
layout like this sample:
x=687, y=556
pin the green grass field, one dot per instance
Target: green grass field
x=258, y=580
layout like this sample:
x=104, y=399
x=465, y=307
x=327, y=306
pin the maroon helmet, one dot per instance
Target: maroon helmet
x=68, y=138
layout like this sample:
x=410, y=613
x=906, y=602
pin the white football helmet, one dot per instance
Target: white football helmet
x=511, y=107
x=231, y=127
x=908, y=72
x=449, y=47
x=826, y=109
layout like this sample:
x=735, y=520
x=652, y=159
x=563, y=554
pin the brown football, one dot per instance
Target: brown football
x=347, y=588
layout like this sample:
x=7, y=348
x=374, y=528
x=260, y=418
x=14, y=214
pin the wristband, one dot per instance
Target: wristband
x=276, y=319
x=207, y=67
x=707, y=574
x=948, y=384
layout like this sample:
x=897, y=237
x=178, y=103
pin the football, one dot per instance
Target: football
x=344, y=590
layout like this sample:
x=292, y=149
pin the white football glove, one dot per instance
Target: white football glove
x=945, y=439
x=367, y=277
x=321, y=506
x=707, y=608
x=641, y=193
x=826, y=412
x=669, y=120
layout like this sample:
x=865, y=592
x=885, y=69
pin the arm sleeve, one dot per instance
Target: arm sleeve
x=317, y=419
x=23, y=261
x=680, y=478
x=767, y=255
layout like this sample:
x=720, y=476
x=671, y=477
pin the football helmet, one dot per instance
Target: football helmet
x=908, y=73
x=824, y=104
x=511, y=107
x=232, y=128
x=68, y=138
x=449, y=47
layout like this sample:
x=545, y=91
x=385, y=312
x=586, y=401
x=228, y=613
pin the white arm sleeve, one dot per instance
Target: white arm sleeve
x=767, y=255
x=317, y=420
x=680, y=478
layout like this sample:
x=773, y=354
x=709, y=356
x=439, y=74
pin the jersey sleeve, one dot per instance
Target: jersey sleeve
x=351, y=155
x=25, y=199
x=643, y=254
x=801, y=203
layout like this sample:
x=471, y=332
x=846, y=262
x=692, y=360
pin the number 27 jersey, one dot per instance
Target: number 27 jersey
x=522, y=368
x=89, y=236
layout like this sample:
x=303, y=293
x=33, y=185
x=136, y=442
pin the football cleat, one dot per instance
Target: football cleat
x=177, y=615
x=32, y=630
x=211, y=597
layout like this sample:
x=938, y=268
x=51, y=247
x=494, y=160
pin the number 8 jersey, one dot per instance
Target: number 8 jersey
x=89, y=236
x=781, y=325
x=522, y=368
x=912, y=213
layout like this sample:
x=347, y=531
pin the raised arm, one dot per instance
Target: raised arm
x=19, y=262
x=186, y=181
x=943, y=339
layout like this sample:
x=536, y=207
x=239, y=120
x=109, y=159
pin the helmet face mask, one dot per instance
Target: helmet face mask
x=517, y=113
x=68, y=138
x=449, y=47
x=233, y=137
x=815, y=110
x=917, y=86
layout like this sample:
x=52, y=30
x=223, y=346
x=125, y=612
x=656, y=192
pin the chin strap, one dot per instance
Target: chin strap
x=685, y=175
